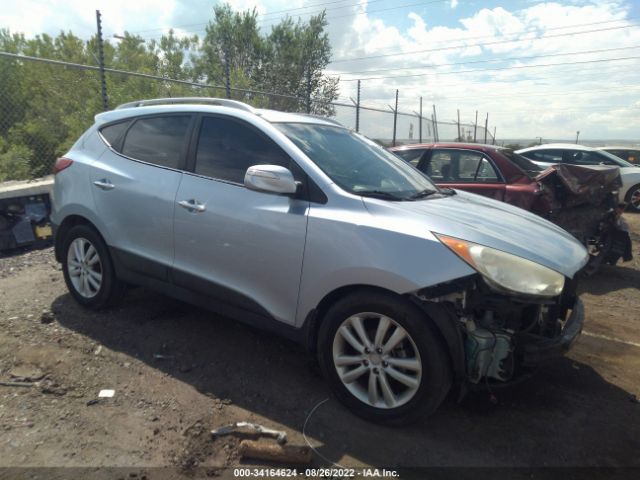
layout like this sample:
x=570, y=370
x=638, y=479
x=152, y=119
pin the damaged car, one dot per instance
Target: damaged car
x=581, y=199
x=297, y=225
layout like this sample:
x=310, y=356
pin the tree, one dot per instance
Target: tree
x=288, y=62
x=44, y=108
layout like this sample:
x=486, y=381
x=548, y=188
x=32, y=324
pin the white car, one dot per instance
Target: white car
x=554, y=153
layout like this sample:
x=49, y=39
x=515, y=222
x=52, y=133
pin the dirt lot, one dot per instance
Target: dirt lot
x=179, y=371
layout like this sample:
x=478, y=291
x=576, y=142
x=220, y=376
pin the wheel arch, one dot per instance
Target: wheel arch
x=437, y=316
x=67, y=224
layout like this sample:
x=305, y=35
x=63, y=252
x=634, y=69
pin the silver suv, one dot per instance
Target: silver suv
x=296, y=224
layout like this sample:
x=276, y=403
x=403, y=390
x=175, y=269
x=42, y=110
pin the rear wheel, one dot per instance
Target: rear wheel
x=633, y=198
x=383, y=359
x=88, y=270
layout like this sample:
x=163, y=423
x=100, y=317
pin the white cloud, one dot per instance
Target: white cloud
x=599, y=99
x=552, y=101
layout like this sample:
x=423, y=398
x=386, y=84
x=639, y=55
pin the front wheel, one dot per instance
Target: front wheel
x=383, y=359
x=633, y=198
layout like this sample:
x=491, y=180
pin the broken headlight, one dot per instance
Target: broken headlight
x=504, y=271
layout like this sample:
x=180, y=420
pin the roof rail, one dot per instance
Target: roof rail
x=222, y=102
x=320, y=117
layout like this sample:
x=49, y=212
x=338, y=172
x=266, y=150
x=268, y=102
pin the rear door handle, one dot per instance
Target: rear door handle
x=104, y=184
x=192, y=205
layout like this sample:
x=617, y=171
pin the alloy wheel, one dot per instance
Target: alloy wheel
x=377, y=360
x=84, y=267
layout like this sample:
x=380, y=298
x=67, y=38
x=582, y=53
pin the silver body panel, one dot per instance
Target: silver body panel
x=285, y=254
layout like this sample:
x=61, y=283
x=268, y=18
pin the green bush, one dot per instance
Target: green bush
x=14, y=162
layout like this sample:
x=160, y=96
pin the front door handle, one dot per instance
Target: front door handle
x=192, y=205
x=104, y=184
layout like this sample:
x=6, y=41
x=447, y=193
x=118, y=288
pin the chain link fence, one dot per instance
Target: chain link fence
x=45, y=105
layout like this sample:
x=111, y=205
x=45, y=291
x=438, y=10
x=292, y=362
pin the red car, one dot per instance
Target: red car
x=582, y=200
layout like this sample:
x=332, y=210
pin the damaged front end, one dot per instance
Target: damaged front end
x=500, y=337
x=584, y=201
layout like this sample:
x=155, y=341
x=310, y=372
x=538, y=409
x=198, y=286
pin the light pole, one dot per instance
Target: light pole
x=540, y=140
x=577, y=136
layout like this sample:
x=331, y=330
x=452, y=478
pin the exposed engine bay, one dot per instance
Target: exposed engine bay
x=503, y=335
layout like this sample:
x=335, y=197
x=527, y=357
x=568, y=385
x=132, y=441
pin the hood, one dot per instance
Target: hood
x=491, y=223
x=630, y=170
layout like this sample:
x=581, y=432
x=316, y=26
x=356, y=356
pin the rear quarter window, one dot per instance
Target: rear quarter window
x=112, y=134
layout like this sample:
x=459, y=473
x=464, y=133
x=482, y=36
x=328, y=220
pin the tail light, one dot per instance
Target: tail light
x=61, y=164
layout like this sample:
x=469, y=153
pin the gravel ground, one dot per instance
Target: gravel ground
x=179, y=371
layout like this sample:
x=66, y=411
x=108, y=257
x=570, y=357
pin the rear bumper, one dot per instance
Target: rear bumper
x=541, y=349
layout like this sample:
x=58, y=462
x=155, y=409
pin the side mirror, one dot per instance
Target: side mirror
x=270, y=178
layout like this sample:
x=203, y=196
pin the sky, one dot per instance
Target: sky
x=539, y=69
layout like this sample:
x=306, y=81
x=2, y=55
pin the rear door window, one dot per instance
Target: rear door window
x=227, y=148
x=547, y=156
x=158, y=140
x=460, y=166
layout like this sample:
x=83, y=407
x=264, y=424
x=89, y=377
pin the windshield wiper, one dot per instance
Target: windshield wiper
x=422, y=194
x=379, y=194
x=447, y=191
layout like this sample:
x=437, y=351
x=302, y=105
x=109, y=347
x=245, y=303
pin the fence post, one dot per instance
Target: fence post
x=227, y=74
x=103, y=80
x=433, y=125
x=420, y=123
x=486, y=128
x=308, y=92
x=395, y=120
x=358, y=108
x=436, y=134
x=475, y=128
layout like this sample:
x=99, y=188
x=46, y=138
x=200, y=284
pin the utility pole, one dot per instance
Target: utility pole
x=577, y=136
x=103, y=80
x=395, y=120
x=358, y=108
x=486, y=128
x=475, y=128
x=459, y=134
x=494, y=135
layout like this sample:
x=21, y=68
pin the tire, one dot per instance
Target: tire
x=633, y=198
x=85, y=255
x=426, y=380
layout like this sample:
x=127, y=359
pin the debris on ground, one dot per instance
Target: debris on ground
x=26, y=373
x=106, y=393
x=289, y=454
x=47, y=317
x=247, y=428
x=16, y=384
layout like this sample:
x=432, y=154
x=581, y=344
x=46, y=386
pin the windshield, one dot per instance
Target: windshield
x=523, y=163
x=357, y=164
x=617, y=160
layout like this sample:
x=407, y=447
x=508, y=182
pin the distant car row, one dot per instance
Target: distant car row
x=561, y=153
x=631, y=155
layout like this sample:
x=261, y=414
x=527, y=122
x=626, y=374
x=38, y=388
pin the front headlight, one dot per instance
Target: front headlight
x=505, y=271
